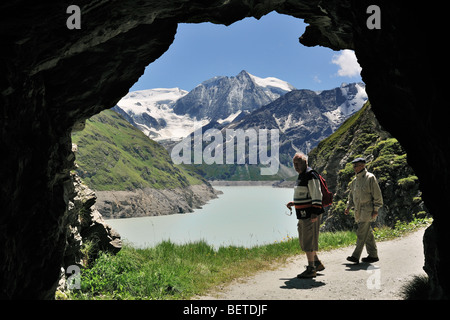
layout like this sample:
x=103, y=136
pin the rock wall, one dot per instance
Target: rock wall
x=52, y=77
x=87, y=225
x=86, y=229
x=362, y=136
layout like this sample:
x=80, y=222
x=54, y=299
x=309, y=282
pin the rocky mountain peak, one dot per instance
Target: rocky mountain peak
x=219, y=97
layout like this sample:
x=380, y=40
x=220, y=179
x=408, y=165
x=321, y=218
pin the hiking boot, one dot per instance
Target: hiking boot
x=353, y=259
x=319, y=265
x=310, y=272
x=369, y=259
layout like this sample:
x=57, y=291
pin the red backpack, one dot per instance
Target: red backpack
x=327, y=196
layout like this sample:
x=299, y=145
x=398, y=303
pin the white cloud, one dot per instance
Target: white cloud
x=316, y=79
x=347, y=62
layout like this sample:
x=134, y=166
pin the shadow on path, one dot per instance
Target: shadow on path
x=296, y=283
x=360, y=266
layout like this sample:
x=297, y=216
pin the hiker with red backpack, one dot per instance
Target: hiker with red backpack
x=308, y=208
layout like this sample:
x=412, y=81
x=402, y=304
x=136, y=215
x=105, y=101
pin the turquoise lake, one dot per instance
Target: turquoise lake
x=241, y=216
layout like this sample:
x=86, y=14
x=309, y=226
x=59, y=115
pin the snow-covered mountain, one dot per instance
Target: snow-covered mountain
x=152, y=112
x=305, y=117
x=170, y=114
x=220, y=97
x=349, y=98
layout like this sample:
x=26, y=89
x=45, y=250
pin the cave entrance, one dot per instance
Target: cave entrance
x=265, y=48
x=202, y=52
x=389, y=58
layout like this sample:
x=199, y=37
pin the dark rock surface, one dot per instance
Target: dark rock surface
x=52, y=77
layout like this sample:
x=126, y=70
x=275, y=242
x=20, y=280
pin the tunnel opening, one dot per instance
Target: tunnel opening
x=239, y=47
x=342, y=59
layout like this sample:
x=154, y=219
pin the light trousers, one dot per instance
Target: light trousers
x=364, y=237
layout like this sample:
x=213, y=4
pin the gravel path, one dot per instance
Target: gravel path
x=400, y=260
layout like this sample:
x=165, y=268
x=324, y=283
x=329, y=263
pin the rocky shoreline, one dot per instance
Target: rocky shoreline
x=273, y=183
x=153, y=202
x=158, y=202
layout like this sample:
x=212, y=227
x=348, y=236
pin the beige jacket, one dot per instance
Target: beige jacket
x=365, y=196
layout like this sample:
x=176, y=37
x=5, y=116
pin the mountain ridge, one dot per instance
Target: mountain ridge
x=303, y=117
x=219, y=97
x=161, y=115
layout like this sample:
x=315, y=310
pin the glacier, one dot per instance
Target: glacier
x=154, y=111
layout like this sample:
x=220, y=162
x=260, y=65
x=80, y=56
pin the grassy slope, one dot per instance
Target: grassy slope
x=362, y=136
x=113, y=155
x=170, y=271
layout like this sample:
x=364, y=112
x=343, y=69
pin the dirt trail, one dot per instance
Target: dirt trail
x=400, y=260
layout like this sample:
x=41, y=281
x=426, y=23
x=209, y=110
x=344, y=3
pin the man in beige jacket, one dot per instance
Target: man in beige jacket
x=365, y=196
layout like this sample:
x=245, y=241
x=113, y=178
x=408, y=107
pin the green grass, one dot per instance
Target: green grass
x=328, y=146
x=401, y=228
x=169, y=271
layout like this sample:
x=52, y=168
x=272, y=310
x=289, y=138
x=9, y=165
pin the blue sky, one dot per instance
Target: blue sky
x=268, y=47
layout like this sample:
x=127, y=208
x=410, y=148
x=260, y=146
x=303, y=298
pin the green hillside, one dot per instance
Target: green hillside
x=362, y=136
x=114, y=155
